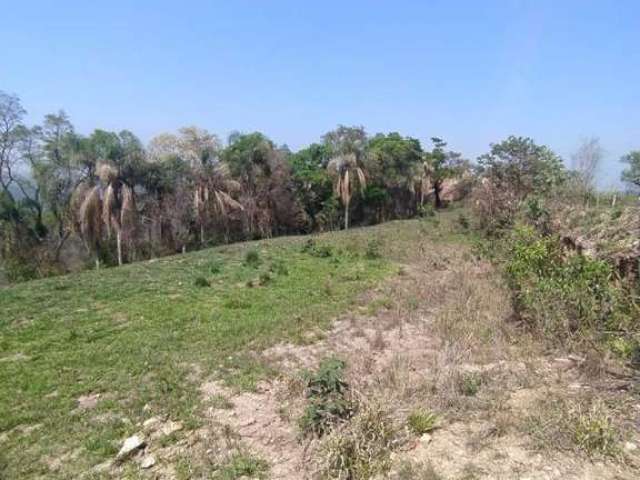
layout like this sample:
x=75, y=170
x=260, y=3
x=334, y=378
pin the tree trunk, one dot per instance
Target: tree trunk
x=119, y=246
x=201, y=234
x=436, y=194
x=346, y=216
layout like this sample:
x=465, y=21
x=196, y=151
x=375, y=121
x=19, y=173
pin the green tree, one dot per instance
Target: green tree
x=522, y=166
x=392, y=163
x=631, y=174
x=439, y=165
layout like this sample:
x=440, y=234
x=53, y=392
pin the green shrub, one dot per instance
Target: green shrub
x=421, y=421
x=279, y=267
x=215, y=266
x=469, y=383
x=559, y=295
x=252, y=259
x=373, y=251
x=315, y=250
x=201, y=282
x=327, y=395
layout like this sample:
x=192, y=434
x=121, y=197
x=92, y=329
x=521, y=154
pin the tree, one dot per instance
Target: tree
x=107, y=207
x=346, y=140
x=348, y=175
x=311, y=180
x=440, y=165
x=392, y=162
x=585, y=162
x=522, y=166
x=631, y=174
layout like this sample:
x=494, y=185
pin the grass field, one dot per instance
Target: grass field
x=144, y=336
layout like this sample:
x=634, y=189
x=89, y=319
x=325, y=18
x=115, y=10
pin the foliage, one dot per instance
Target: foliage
x=558, y=295
x=327, y=394
x=440, y=165
x=631, y=174
x=252, y=259
x=421, y=421
x=241, y=465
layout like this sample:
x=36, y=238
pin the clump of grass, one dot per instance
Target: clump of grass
x=463, y=221
x=264, y=279
x=374, y=249
x=327, y=394
x=279, y=267
x=421, y=421
x=242, y=465
x=585, y=426
x=469, y=383
x=416, y=471
x=252, y=259
x=362, y=450
x=201, y=282
x=215, y=267
x=315, y=250
x=593, y=431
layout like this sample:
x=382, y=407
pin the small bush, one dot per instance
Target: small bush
x=416, y=471
x=201, y=282
x=426, y=210
x=373, y=251
x=241, y=465
x=279, y=267
x=421, y=421
x=463, y=221
x=215, y=266
x=315, y=250
x=252, y=259
x=327, y=394
x=363, y=449
x=469, y=384
x=593, y=431
x=264, y=279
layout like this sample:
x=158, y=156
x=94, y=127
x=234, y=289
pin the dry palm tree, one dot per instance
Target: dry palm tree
x=346, y=173
x=106, y=207
x=212, y=196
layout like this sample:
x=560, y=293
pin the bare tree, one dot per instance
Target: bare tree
x=585, y=162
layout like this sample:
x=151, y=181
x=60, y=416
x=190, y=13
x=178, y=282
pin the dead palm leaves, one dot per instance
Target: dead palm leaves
x=347, y=175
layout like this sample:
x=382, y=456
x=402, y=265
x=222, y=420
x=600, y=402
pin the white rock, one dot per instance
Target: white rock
x=425, y=438
x=129, y=446
x=150, y=421
x=630, y=447
x=148, y=462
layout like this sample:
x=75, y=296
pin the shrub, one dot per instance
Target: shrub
x=315, y=250
x=279, y=267
x=463, y=221
x=201, y=282
x=426, y=210
x=421, y=421
x=373, y=249
x=252, y=259
x=327, y=394
x=469, y=383
x=215, y=266
x=557, y=295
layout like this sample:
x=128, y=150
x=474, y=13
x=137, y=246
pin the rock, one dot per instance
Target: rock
x=171, y=427
x=630, y=447
x=148, y=462
x=130, y=445
x=563, y=363
x=425, y=438
x=150, y=422
x=86, y=402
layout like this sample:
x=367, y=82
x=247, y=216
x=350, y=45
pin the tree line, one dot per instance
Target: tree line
x=106, y=198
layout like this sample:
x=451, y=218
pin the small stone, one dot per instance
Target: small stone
x=171, y=427
x=630, y=447
x=129, y=446
x=149, y=422
x=425, y=438
x=86, y=402
x=148, y=462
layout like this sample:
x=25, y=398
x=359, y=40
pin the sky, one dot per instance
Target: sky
x=471, y=72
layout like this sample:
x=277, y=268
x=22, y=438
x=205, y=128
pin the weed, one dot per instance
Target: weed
x=416, y=471
x=327, y=393
x=469, y=383
x=264, y=279
x=215, y=267
x=363, y=449
x=421, y=421
x=242, y=465
x=315, y=250
x=463, y=221
x=374, y=249
x=201, y=282
x=279, y=267
x=252, y=259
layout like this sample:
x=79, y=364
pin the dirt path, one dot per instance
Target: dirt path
x=437, y=336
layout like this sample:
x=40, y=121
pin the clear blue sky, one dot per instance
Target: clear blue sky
x=472, y=72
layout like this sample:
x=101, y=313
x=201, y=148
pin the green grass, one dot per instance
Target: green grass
x=146, y=335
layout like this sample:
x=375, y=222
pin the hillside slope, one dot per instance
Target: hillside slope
x=203, y=357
